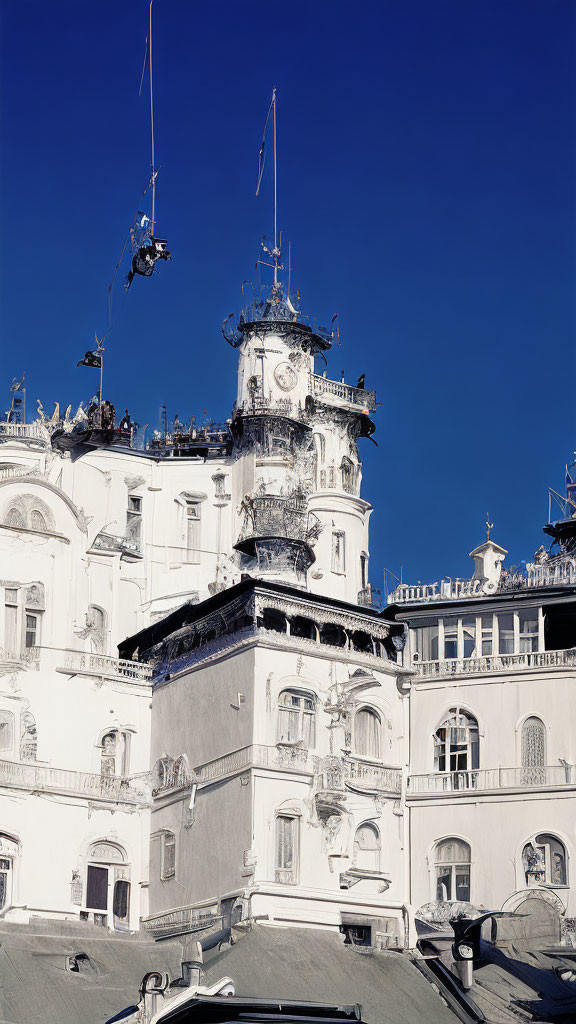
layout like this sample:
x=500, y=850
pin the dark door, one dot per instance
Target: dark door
x=97, y=888
x=121, y=899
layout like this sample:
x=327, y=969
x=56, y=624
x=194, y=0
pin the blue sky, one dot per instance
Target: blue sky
x=426, y=181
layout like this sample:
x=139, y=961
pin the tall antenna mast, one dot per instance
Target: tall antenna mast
x=152, y=122
x=275, y=197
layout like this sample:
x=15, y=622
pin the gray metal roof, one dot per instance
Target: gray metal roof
x=313, y=964
x=36, y=987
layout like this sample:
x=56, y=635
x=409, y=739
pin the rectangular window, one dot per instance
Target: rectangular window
x=134, y=523
x=11, y=621
x=506, y=633
x=487, y=635
x=469, y=637
x=528, y=621
x=339, y=551
x=168, y=856
x=32, y=631
x=450, y=638
x=193, y=519
x=286, y=849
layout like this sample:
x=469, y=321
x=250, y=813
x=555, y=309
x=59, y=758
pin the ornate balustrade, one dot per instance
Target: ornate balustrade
x=181, y=921
x=445, y=590
x=34, y=431
x=86, y=663
x=492, y=779
x=495, y=663
x=280, y=758
x=352, y=396
x=336, y=774
x=15, y=472
x=135, y=790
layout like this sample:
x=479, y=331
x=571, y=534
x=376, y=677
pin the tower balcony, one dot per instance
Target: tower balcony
x=271, y=516
x=342, y=396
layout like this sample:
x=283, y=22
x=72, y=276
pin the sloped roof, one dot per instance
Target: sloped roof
x=313, y=964
x=36, y=987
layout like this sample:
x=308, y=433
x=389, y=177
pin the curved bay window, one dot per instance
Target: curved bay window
x=367, y=847
x=296, y=717
x=544, y=861
x=456, y=745
x=367, y=733
x=452, y=870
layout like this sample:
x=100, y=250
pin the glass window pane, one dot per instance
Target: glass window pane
x=506, y=633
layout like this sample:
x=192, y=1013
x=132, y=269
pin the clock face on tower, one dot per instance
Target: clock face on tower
x=285, y=377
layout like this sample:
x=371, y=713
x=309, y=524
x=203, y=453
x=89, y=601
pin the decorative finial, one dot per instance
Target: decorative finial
x=489, y=526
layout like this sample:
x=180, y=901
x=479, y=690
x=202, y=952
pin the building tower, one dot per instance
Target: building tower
x=295, y=440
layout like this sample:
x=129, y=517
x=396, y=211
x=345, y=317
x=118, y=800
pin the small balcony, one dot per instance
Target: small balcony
x=492, y=780
x=337, y=774
x=101, y=666
x=529, y=661
x=108, y=788
x=342, y=395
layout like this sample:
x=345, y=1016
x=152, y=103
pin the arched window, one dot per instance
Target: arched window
x=367, y=847
x=96, y=622
x=544, y=861
x=367, y=733
x=320, y=446
x=6, y=732
x=287, y=841
x=296, y=715
x=533, y=743
x=115, y=753
x=108, y=885
x=456, y=743
x=37, y=521
x=452, y=870
x=14, y=517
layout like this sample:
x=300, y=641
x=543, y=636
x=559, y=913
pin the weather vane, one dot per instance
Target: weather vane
x=489, y=526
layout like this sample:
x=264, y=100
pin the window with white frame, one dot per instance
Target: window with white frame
x=32, y=629
x=168, y=855
x=367, y=733
x=134, y=523
x=6, y=733
x=296, y=717
x=544, y=861
x=11, y=620
x=533, y=743
x=363, y=570
x=367, y=847
x=192, y=527
x=286, y=868
x=96, y=621
x=107, y=885
x=452, y=870
x=456, y=744
x=455, y=637
x=115, y=753
x=338, y=551
x=9, y=851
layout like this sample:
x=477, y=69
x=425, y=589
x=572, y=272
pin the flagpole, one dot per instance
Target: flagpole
x=101, y=372
x=275, y=198
x=152, y=124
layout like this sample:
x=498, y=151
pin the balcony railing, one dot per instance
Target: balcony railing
x=281, y=758
x=181, y=921
x=135, y=790
x=35, y=431
x=445, y=590
x=495, y=663
x=336, y=773
x=103, y=665
x=492, y=779
x=352, y=396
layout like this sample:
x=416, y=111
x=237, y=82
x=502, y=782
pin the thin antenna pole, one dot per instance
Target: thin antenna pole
x=289, y=269
x=275, y=196
x=101, y=373
x=152, y=122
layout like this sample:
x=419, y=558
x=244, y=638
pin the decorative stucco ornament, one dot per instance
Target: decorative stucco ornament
x=285, y=376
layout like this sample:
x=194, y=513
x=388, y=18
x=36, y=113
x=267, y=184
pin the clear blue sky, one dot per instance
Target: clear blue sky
x=426, y=154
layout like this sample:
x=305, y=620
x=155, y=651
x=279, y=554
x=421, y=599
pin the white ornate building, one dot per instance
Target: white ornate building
x=263, y=748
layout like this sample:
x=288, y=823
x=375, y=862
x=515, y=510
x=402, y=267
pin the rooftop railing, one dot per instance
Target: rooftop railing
x=495, y=663
x=103, y=665
x=353, y=396
x=40, y=778
x=36, y=431
x=491, y=779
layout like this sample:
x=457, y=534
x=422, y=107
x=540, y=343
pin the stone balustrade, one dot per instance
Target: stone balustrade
x=495, y=663
x=102, y=665
x=352, y=396
x=492, y=779
x=181, y=921
x=40, y=778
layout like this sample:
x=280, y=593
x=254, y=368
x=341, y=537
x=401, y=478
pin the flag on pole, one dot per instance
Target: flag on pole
x=16, y=385
x=262, y=153
x=91, y=359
